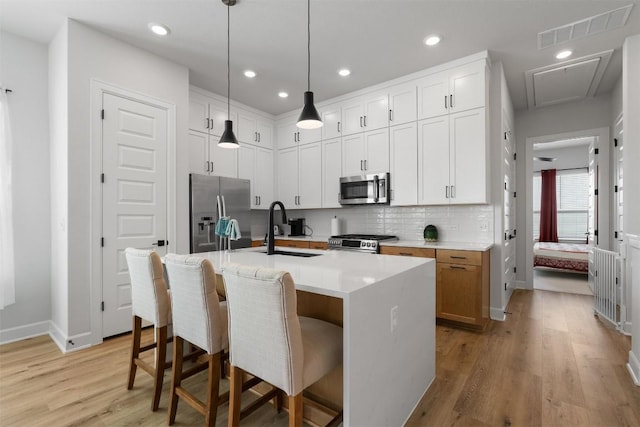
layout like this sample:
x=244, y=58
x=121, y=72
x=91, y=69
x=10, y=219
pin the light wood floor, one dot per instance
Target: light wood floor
x=551, y=363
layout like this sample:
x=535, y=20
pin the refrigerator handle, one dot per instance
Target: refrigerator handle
x=220, y=248
x=225, y=240
x=224, y=207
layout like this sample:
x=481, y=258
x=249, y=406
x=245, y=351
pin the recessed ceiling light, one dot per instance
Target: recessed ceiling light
x=344, y=72
x=432, y=40
x=159, y=29
x=563, y=54
x=283, y=94
x=249, y=73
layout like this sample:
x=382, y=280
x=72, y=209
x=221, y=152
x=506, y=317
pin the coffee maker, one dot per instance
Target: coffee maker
x=297, y=226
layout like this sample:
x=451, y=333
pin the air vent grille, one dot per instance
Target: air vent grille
x=586, y=27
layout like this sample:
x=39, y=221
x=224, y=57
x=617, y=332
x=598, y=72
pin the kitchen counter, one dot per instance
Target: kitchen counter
x=458, y=246
x=313, y=238
x=388, y=311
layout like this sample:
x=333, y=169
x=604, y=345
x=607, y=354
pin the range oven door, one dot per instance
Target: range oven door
x=363, y=190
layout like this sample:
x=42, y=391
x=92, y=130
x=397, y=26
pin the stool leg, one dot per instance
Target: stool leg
x=213, y=389
x=295, y=410
x=235, y=391
x=135, y=349
x=161, y=356
x=176, y=378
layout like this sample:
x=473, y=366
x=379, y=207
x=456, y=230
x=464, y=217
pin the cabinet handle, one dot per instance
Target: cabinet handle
x=451, y=100
x=453, y=191
x=338, y=127
x=390, y=116
x=255, y=137
x=258, y=136
x=446, y=191
x=206, y=126
x=455, y=267
x=365, y=121
x=361, y=165
x=260, y=200
x=445, y=102
x=365, y=165
x=360, y=121
x=457, y=257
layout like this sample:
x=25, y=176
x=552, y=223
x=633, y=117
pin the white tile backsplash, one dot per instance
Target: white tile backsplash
x=463, y=223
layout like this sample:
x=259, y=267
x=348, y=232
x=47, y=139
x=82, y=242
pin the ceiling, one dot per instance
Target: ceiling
x=377, y=39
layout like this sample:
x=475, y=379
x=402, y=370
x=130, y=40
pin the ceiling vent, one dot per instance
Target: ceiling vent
x=567, y=81
x=586, y=27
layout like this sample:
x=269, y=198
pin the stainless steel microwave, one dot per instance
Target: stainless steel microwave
x=364, y=190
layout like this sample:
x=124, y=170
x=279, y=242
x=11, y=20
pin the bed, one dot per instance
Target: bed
x=571, y=257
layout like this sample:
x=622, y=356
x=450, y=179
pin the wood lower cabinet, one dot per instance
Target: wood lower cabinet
x=302, y=244
x=405, y=251
x=462, y=287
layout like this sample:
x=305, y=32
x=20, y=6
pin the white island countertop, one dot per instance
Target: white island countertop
x=332, y=273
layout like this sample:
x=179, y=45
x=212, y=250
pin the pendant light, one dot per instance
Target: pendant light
x=309, y=117
x=228, y=139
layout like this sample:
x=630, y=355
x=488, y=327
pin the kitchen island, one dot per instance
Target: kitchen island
x=388, y=319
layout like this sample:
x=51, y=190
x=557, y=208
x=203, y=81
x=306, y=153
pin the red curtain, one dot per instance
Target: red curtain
x=548, y=207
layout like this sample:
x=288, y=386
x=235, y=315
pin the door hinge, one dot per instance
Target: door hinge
x=505, y=185
x=596, y=151
x=595, y=233
x=102, y=178
x=616, y=280
x=102, y=242
x=102, y=305
x=505, y=135
x=514, y=269
x=514, y=194
x=514, y=231
x=514, y=156
x=595, y=193
x=102, y=114
x=615, y=234
x=505, y=286
x=615, y=142
x=615, y=188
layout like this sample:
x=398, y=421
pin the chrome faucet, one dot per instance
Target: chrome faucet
x=270, y=233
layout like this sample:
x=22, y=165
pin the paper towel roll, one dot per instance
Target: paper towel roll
x=335, y=226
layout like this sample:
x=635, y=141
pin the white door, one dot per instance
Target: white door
x=223, y=161
x=353, y=154
x=134, y=203
x=288, y=177
x=199, y=153
x=376, y=112
x=468, y=176
x=403, y=105
x=404, y=164
x=618, y=234
x=331, y=119
x=310, y=176
x=246, y=169
x=433, y=161
x=433, y=95
x=509, y=200
x=376, y=145
x=467, y=88
x=592, y=221
x=331, y=173
x=264, y=177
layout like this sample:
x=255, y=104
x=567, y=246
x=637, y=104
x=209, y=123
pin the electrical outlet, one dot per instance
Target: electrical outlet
x=394, y=318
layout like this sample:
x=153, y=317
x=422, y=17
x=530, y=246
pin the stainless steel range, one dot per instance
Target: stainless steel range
x=359, y=242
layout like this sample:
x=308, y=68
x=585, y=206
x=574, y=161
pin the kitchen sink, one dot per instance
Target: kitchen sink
x=298, y=254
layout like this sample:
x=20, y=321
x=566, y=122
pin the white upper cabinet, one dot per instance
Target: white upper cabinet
x=288, y=177
x=365, y=153
x=403, y=104
x=287, y=133
x=331, y=172
x=452, y=91
x=309, y=176
x=256, y=165
x=208, y=115
x=404, y=165
x=433, y=161
x=331, y=117
x=198, y=113
x=365, y=113
x=353, y=154
x=205, y=157
x=217, y=116
x=306, y=136
x=254, y=130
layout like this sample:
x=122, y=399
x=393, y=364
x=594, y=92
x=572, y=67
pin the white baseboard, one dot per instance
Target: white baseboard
x=20, y=333
x=67, y=343
x=497, y=314
x=521, y=284
x=634, y=368
x=626, y=328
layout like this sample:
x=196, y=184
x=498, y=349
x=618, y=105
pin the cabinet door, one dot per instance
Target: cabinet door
x=403, y=104
x=404, y=164
x=467, y=85
x=353, y=155
x=307, y=136
x=352, y=117
x=198, y=153
x=468, y=178
x=433, y=95
x=247, y=127
x=377, y=151
x=224, y=161
x=218, y=115
x=246, y=169
x=287, y=134
x=433, y=161
x=264, y=177
x=198, y=113
x=310, y=176
x=459, y=293
x=331, y=119
x=265, y=133
x=376, y=112
x=288, y=176
x=331, y=172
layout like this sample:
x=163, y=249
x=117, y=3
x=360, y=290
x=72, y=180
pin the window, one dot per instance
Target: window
x=572, y=196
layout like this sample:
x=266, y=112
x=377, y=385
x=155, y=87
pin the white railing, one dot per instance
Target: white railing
x=607, y=294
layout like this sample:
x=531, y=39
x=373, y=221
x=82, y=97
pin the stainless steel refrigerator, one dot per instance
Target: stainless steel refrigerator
x=212, y=197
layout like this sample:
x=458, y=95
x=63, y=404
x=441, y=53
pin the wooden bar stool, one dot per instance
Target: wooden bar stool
x=268, y=339
x=150, y=301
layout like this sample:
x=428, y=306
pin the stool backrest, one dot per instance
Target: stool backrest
x=197, y=316
x=149, y=297
x=264, y=329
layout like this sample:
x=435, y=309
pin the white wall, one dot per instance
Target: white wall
x=93, y=55
x=591, y=113
x=566, y=158
x=631, y=112
x=23, y=69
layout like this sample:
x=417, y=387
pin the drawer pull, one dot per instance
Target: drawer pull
x=406, y=253
x=458, y=257
x=454, y=267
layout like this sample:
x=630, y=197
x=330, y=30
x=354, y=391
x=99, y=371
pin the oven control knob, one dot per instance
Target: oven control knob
x=374, y=244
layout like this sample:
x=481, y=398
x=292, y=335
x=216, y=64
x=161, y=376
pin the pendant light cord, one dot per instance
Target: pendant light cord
x=308, y=45
x=228, y=64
